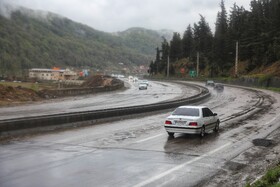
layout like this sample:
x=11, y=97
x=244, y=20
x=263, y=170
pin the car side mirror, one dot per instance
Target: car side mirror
x=215, y=114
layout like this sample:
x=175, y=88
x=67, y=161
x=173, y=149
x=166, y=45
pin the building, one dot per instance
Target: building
x=52, y=74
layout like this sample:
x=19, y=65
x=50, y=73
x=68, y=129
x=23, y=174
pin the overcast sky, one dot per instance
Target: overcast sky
x=119, y=15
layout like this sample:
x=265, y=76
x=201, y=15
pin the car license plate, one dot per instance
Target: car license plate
x=180, y=122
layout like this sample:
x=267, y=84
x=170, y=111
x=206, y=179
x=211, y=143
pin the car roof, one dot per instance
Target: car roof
x=198, y=107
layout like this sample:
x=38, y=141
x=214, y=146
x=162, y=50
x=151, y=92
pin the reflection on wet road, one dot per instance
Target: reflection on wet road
x=138, y=152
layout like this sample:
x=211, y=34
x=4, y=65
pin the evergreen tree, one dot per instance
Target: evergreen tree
x=187, y=42
x=152, y=68
x=257, y=32
x=203, y=40
x=236, y=27
x=220, y=49
x=165, y=53
x=157, y=62
x=175, y=47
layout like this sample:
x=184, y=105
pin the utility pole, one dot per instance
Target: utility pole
x=167, y=66
x=236, y=59
x=197, y=64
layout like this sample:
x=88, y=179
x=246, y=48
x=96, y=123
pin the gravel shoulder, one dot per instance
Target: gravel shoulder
x=264, y=150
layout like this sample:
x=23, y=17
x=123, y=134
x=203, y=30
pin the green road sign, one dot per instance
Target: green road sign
x=192, y=73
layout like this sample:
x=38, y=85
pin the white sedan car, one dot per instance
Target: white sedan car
x=192, y=120
x=143, y=86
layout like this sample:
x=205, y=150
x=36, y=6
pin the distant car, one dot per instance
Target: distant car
x=143, y=86
x=135, y=79
x=192, y=120
x=145, y=82
x=210, y=83
x=130, y=78
x=219, y=87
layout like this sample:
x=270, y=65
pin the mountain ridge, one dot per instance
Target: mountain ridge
x=32, y=38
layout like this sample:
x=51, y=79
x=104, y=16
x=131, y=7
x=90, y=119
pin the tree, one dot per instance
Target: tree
x=237, y=27
x=157, y=61
x=165, y=54
x=152, y=68
x=203, y=40
x=187, y=42
x=221, y=51
x=175, y=47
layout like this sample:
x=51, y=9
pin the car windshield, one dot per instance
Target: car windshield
x=186, y=112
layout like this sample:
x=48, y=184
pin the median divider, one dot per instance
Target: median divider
x=9, y=125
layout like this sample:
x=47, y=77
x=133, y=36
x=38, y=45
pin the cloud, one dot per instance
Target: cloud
x=119, y=15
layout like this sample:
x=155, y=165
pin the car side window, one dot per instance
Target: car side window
x=204, y=112
x=210, y=113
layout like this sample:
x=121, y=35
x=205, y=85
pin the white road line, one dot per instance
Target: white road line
x=272, y=120
x=154, y=178
x=146, y=139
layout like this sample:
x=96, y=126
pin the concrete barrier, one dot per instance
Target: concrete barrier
x=80, y=91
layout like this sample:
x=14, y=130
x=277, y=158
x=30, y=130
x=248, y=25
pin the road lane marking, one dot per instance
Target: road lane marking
x=154, y=178
x=272, y=120
x=146, y=139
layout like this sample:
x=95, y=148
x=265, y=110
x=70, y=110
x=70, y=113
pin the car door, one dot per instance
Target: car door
x=208, y=118
x=211, y=118
x=205, y=117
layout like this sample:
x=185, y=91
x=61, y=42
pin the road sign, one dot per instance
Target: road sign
x=192, y=73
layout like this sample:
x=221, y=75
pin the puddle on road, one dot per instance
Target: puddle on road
x=262, y=142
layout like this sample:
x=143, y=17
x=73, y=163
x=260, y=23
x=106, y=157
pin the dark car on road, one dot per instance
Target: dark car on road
x=210, y=83
x=219, y=87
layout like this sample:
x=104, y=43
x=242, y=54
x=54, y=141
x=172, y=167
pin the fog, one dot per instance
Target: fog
x=119, y=15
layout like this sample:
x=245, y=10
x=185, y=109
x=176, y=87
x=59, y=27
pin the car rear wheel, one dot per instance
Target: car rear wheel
x=202, y=132
x=171, y=134
x=217, y=126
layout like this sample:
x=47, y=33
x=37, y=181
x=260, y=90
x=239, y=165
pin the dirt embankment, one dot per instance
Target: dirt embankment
x=14, y=95
x=99, y=80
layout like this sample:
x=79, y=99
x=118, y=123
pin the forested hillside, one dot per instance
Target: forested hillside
x=140, y=39
x=34, y=39
x=252, y=36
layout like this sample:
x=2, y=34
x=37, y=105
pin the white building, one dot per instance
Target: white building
x=52, y=74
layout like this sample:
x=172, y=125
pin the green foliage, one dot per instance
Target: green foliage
x=34, y=87
x=175, y=52
x=257, y=33
x=188, y=43
x=265, y=77
x=270, y=179
x=31, y=40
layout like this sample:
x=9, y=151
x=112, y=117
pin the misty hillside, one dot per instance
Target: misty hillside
x=30, y=39
x=140, y=39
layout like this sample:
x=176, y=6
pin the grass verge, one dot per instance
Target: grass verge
x=270, y=179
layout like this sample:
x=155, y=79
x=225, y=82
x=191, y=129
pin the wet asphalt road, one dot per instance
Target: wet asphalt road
x=156, y=92
x=138, y=152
